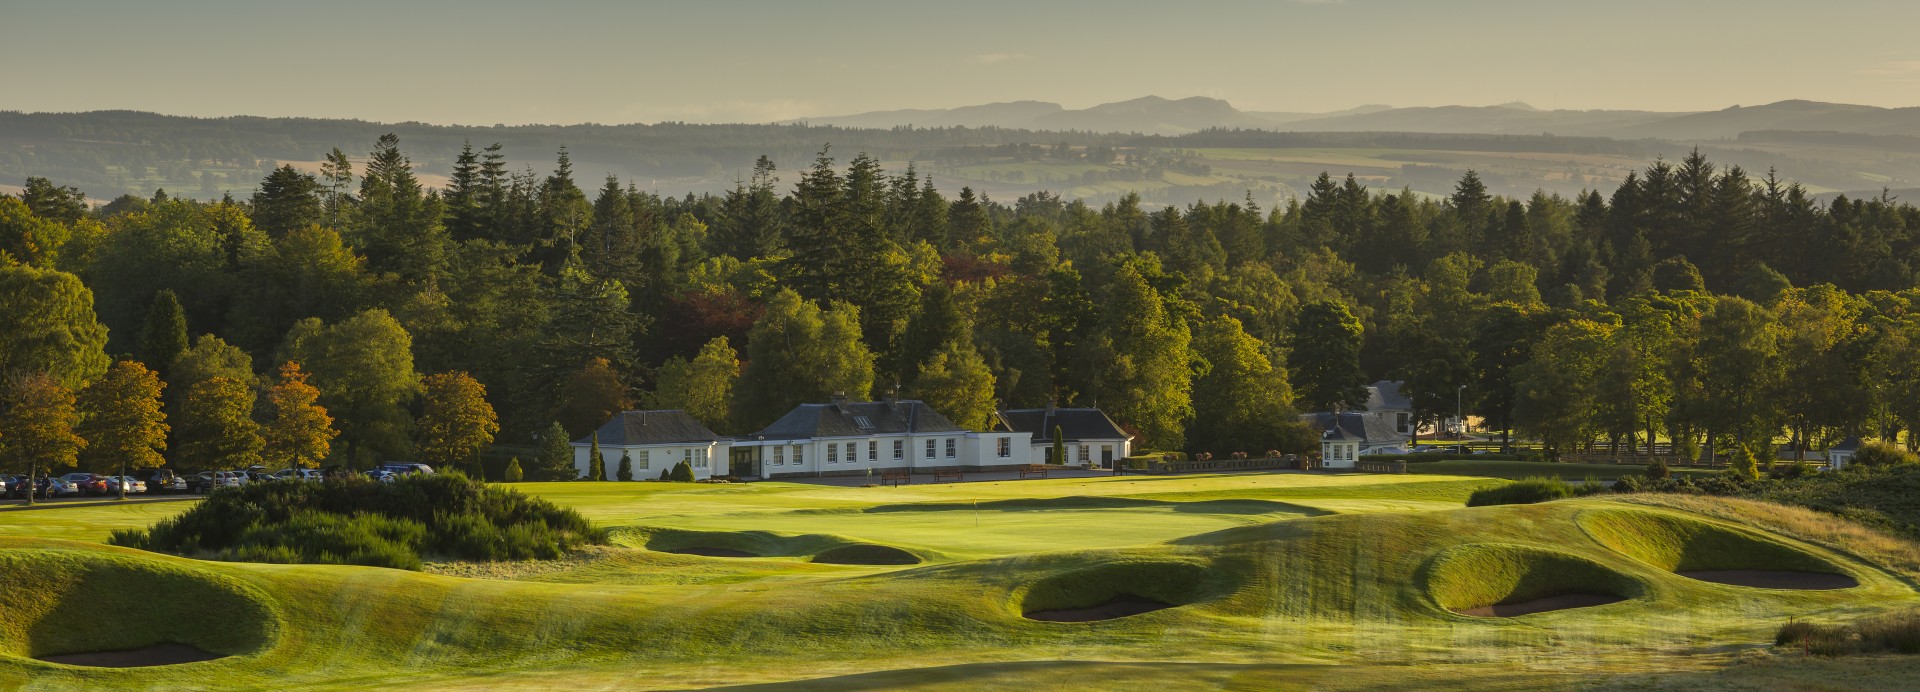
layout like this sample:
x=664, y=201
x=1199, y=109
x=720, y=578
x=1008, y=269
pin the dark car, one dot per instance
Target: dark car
x=165, y=481
x=201, y=483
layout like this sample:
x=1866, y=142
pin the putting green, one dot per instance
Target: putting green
x=1273, y=581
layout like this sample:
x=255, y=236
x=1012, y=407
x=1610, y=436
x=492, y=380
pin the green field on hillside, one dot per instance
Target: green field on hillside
x=1275, y=580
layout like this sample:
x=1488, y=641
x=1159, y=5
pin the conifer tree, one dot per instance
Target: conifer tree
x=164, y=337
x=596, y=464
x=1325, y=358
x=555, y=457
x=626, y=466
x=287, y=200
x=513, y=473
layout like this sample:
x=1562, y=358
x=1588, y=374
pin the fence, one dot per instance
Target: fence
x=1267, y=463
x=1395, y=466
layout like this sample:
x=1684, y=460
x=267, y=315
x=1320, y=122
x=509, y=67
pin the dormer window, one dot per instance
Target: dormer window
x=863, y=422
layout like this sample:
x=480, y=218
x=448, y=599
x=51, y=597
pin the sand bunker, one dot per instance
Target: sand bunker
x=866, y=554
x=1541, y=605
x=158, y=655
x=1768, y=579
x=710, y=552
x=1118, y=607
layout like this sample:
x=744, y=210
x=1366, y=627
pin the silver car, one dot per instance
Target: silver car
x=134, y=486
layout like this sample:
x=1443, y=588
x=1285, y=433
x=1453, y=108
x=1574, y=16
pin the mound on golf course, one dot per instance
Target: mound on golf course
x=98, y=609
x=1710, y=551
x=1243, y=580
x=1495, y=580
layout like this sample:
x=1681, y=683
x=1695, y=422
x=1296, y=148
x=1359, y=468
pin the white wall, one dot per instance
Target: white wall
x=657, y=458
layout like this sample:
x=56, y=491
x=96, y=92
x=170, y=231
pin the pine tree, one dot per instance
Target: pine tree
x=555, y=458
x=287, y=200
x=596, y=464
x=466, y=217
x=164, y=337
x=626, y=466
x=1325, y=358
x=1059, y=446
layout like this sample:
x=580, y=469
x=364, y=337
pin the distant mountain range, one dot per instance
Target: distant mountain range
x=1156, y=115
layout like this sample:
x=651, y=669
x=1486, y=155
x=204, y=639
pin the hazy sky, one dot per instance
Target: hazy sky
x=484, y=62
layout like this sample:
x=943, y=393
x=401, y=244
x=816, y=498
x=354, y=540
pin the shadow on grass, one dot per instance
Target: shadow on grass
x=1085, y=502
x=1181, y=675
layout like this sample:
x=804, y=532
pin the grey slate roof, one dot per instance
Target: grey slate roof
x=1851, y=444
x=846, y=420
x=1352, y=425
x=1385, y=396
x=651, y=428
x=1076, y=424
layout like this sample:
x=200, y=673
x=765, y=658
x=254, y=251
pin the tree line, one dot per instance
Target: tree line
x=1202, y=327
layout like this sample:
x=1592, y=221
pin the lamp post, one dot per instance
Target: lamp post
x=1460, y=412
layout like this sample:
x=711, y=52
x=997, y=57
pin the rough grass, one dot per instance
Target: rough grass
x=1894, y=553
x=1176, y=583
x=1523, y=492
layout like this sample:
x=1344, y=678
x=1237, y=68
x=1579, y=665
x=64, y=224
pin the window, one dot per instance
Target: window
x=686, y=455
x=1401, y=421
x=899, y=449
x=1003, y=447
x=929, y=449
x=853, y=452
x=1085, y=452
x=701, y=459
x=873, y=451
x=863, y=422
x=950, y=453
x=799, y=455
x=833, y=453
x=643, y=458
x=779, y=455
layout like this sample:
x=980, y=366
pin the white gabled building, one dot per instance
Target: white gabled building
x=848, y=438
x=656, y=441
x=1090, y=437
x=1349, y=435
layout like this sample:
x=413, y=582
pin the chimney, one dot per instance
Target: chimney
x=839, y=400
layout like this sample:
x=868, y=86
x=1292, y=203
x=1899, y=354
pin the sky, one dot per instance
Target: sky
x=481, y=62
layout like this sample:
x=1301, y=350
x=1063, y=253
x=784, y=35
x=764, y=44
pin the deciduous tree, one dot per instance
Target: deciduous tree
x=300, y=433
x=216, y=428
x=456, y=421
x=37, y=425
x=121, y=420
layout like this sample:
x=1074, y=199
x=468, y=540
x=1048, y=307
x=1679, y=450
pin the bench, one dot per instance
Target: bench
x=1033, y=471
x=895, y=478
x=952, y=476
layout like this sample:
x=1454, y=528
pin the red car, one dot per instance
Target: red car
x=87, y=483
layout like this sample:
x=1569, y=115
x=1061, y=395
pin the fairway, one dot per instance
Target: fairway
x=1266, y=579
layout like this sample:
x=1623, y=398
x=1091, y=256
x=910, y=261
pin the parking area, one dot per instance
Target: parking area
x=58, y=502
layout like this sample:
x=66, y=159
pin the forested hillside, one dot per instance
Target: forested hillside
x=1694, y=302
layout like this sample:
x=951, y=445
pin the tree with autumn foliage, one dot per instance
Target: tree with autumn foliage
x=121, y=420
x=457, y=422
x=300, y=434
x=37, y=428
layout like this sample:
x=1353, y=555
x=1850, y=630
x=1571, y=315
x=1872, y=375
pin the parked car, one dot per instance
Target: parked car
x=17, y=487
x=382, y=475
x=163, y=481
x=406, y=468
x=226, y=479
x=135, y=486
x=300, y=474
x=201, y=483
x=87, y=483
x=56, y=487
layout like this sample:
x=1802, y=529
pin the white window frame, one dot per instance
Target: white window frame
x=833, y=453
x=930, y=447
x=899, y=449
x=953, y=447
x=1003, y=447
x=873, y=450
x=645, y=459
x=779, y=455
x=799, y=455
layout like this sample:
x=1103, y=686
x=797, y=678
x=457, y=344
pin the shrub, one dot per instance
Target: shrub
x=513, y=473
x=1522, y=492
x=355, y=521
x=1743, y=465
x=1881, y=455
x=626, y=467
x=682, y=473
x=1657, y=470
